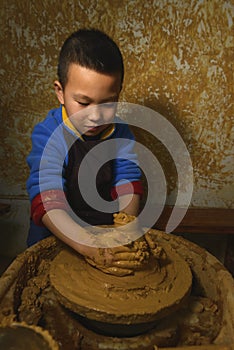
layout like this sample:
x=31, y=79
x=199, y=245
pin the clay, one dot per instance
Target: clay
x=122, y=218
x=205, y=317
x=149, y=294
x=125, y=259
x=20, y=336
x=129, y=258
x=31, y=304
x=70, y=329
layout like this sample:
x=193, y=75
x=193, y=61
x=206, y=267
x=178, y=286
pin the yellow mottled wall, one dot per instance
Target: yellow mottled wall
x=179, y=61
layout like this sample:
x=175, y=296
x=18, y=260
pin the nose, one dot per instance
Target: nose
x=95, y=114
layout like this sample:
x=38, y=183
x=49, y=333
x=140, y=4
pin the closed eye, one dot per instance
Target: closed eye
x=83, y=103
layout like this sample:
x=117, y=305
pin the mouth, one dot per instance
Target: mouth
x=93, y=128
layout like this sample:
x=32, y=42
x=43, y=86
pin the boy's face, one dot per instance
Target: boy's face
x=84, y=91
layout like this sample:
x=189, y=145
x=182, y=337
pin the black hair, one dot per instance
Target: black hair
x=93, y=49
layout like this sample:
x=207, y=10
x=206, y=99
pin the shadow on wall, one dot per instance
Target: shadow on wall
x=160, y=150
x=14, y=228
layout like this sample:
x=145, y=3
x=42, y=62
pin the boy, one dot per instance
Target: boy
x=90, y=73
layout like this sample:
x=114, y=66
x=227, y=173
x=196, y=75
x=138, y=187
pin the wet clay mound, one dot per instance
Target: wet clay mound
x=146, y=296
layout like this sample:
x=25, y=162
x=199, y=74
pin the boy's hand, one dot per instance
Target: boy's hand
x=120, y=258
x=157, y=251
x=118, y=261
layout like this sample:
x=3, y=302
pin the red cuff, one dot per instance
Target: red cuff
x=134, y=187
x=45, y=201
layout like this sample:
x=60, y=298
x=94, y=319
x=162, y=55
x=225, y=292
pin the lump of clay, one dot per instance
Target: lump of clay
x=100, y=294
x=133, y=256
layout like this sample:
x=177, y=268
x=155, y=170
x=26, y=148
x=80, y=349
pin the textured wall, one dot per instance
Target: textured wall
x=179, y=61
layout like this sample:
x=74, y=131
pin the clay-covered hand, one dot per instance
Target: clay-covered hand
x=118, y=261
x=155, y=249
x=125, y=252
x=128, y=226
x=121, y=257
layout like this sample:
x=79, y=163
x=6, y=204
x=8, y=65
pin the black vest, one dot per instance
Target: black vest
x=76, y=153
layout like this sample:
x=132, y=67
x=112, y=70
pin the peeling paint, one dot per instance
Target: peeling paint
x=179, y=61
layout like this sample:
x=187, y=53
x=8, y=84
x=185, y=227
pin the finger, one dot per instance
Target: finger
x=126, y=256
x=132, y=264
x=153, y=233
x=90, y=261
x=150, y=241
x=125, y=248
x=138, y=255
x=103, y=258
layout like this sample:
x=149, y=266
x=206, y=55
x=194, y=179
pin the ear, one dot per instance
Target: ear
x=59, y=91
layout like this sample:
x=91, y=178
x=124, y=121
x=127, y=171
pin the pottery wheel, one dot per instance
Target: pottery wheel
x=146, y=296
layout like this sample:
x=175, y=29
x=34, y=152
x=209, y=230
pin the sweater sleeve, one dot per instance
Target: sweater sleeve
x=46, y=183
x=127, y=174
